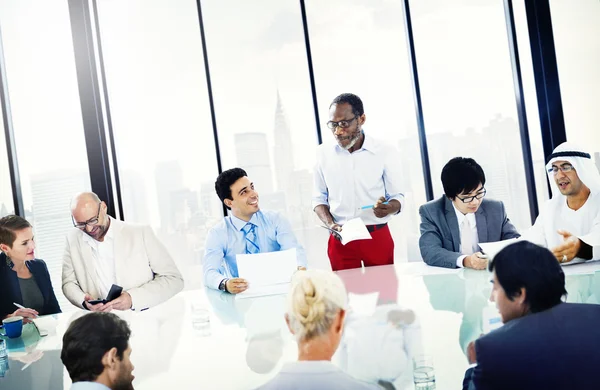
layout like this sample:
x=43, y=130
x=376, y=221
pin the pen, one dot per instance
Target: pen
x=370, y=206
x=19, y=306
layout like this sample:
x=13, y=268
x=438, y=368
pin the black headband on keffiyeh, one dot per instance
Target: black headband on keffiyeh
x=568, y=154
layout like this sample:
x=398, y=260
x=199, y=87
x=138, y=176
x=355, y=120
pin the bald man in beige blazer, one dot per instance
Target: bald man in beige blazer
x=103, y=251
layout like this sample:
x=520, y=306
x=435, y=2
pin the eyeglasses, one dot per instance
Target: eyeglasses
x=91, y=221
x=563, y=168
x=469, y=199
x=343, y=124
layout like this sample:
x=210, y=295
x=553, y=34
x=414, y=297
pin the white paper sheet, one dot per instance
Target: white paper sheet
x=354, y=229
x=363, y=304
x=492, y=248
x=46, y=325
x=267, y=273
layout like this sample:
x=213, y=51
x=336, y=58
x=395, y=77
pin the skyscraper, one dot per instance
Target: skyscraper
x=252, y=152
x=52, y=193
x=283, y=151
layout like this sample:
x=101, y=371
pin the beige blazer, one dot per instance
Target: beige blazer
x=143, y=266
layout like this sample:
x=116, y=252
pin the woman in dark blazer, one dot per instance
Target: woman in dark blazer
x=23, y=278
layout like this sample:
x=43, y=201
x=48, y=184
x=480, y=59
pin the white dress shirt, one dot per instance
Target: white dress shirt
x=103, y=254
x=347, y=181
x=474, y=236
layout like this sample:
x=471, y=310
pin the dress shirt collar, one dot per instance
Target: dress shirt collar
x=108, y=236
x=88, y=385
x=461, y=217
x=310, y=366
x=240, y=223
x=369, y=144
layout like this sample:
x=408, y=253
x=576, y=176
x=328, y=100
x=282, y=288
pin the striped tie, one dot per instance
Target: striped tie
x=250, y=233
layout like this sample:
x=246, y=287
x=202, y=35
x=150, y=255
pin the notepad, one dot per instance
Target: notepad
x=46, y=325
x=354, y=229
x=267, y=273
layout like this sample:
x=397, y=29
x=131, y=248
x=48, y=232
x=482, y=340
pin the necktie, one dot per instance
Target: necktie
x=466, y=238
x=251, y=241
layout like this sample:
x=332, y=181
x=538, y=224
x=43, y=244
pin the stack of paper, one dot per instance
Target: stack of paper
x=267, y=273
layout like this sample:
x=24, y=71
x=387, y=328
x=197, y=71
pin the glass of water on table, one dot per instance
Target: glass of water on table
x=423, y=374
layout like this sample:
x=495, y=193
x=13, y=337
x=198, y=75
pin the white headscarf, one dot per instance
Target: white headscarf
x=580, y=160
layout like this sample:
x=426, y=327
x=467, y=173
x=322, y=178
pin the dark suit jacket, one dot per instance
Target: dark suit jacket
x=11, y=292
x=555, y=349
x=440, y=233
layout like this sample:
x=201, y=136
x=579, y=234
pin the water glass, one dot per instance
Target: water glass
x=423, y=374
x=200, y=320
x=3, y=358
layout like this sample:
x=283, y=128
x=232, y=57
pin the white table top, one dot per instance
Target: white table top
x=249, y=341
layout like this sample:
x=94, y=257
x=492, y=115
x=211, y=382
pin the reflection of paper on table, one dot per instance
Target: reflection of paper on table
x=492, y=248
x=363, y=304
x=267, y=273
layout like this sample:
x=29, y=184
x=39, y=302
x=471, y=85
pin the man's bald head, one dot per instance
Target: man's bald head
x=88, y=209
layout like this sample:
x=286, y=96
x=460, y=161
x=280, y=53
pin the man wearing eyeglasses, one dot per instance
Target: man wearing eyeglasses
x=569, y=223
x=358, y=177
x=453, y=226
x=103, y=251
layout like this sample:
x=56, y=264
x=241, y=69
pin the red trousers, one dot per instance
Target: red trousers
x=379, y=250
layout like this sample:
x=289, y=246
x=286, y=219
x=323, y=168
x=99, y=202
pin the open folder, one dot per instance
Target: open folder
x=267, y=273
x=354, y=229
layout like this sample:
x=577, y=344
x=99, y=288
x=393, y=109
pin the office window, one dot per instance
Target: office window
x=6, y=198
x=264, y=107
x=161, y=122
x=576, y=27
x=360, y=47
x=468, y=96
x=46, y=113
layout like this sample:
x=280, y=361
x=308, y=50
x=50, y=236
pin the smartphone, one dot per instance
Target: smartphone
x=115, y=292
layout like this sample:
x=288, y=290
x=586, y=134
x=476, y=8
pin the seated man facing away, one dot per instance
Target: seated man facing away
x=103, y=251
x=569, y=223
x=96, y=353
x=544, y=343
x=247, y=230
x=316, y=308
x=453, y=225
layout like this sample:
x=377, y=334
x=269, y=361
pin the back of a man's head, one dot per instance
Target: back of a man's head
x=534, y=268
x=88, y=339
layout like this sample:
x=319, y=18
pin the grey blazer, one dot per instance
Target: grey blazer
x=440, y=234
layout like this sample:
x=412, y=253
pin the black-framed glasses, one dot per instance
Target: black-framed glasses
x=91, y=221
x=563, y=168
x=469, y=199
x=343, y=124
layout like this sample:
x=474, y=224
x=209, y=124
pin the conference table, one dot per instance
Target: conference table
x=207, y=339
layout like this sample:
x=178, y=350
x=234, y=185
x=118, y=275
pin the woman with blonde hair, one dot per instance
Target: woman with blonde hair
x=316, y=308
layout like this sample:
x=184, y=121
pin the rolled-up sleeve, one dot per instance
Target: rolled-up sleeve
x=392, y=176
x=287, y=239
x=214, y=255
x=320, y=191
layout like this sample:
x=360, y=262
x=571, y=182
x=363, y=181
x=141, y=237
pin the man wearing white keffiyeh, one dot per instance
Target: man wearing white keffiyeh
x=569, y=223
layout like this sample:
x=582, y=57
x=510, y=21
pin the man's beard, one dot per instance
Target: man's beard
x=353, y=140
x=101, y=232
x=124, y=381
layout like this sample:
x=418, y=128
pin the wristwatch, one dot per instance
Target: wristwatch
x=223, y=285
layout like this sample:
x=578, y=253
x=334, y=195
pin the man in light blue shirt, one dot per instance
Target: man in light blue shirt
x=96, y=353
x=246, y=230
x=359, y=177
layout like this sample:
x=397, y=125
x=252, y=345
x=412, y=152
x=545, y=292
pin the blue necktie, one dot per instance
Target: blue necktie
x=251, y=241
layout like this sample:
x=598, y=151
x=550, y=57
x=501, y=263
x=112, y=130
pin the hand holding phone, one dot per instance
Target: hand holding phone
x=115, y=292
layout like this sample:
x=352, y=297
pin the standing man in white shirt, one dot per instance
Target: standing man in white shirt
x=358, y=177
x=103, y=251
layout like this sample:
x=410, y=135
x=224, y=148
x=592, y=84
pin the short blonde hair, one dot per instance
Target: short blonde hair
x=315, y=298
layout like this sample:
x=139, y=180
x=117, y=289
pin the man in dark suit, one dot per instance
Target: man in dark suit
x=453, y=225
x=544, y=343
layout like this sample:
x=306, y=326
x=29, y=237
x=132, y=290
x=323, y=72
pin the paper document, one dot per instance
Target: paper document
x=267, y=273
x=492, y=248
x=354, y=229
x=363, y=304
x=46, y=325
